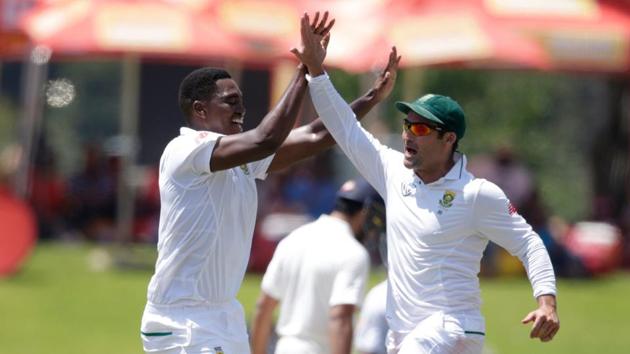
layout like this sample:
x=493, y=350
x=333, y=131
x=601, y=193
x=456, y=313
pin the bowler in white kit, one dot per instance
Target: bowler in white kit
x=209, y=200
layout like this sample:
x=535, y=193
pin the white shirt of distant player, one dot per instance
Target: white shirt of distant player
x=371, y=331
x=436, y=232
x=206, y=223
x=317, y=266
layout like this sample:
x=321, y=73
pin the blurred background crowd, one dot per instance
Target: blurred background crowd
x=88, y=100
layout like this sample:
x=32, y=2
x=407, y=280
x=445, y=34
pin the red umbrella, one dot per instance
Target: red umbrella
x=457, y=32
x=13, y=41
x=155, y=28
x=575, y=35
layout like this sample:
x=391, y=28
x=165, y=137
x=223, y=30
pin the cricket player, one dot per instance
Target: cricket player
x=209, y=200
x=372, y=325
x=318, y=275
x=439, y=220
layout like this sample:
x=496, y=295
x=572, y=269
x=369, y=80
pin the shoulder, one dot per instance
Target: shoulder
x=356, y=253
x=481, y=188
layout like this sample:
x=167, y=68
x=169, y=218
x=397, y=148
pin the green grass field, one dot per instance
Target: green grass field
x=60, y=304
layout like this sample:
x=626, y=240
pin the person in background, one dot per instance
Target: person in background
x=372, y=326
x=317, y=275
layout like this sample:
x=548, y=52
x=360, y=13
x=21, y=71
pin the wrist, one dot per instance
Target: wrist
x=547, y=300
x=315, y=70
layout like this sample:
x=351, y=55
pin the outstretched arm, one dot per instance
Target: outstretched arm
x=262, y=141
x=313, y=138
x=262, y=323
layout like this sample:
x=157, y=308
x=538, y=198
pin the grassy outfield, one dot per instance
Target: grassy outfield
x=60, y=304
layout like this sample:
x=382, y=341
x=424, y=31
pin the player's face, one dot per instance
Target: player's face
x=226, y=111
x=423, y=151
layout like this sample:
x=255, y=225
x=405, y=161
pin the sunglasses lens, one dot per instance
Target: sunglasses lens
x=417, y=129
x=420, y=129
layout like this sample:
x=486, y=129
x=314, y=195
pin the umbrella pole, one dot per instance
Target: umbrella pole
x=125, y=198
x=32, y=111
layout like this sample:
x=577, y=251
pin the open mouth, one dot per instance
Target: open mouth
x=238, y=121
x=410, y=151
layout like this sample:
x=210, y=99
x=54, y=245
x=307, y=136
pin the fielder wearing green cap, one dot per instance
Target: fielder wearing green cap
x=439, y=220
x=440, y=109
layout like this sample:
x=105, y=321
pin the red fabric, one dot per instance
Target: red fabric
x=18, y=232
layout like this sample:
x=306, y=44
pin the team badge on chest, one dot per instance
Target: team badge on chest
x=447, y=199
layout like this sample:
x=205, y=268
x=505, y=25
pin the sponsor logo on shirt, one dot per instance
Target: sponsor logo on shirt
x=407, y=189
x=201, y=136
x=511, y=208
x=447, y=199
x=245, y=169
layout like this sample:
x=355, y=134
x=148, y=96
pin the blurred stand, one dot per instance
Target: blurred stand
x=506, y=170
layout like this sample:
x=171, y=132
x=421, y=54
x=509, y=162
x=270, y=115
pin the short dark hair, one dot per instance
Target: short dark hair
x=199, y=85
x=455, y=145
x=347, y=206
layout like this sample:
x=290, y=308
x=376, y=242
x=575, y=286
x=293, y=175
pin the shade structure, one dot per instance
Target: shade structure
x=153, y=28
x=457, y=33
x=575, y=35
x=14, y=42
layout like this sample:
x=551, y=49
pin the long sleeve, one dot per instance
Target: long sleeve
x=498, y=221
x=367, y=154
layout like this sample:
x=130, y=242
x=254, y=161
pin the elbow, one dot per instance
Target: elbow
x=269, y=140
x=269, y=144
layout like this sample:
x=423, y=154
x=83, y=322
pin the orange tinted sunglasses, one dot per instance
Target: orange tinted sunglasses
x=419, y=129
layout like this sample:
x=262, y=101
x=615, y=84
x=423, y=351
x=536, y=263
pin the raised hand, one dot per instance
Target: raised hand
x=315, y=37
x=385, y=81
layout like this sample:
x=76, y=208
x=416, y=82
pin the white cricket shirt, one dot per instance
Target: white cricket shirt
x=372, y=328
x=206, y=223
x=436, y=232
x=317, y=266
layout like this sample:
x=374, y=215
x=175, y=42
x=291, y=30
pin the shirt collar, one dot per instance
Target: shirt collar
x=341, y=223
x=186, y=131
x=456, y=171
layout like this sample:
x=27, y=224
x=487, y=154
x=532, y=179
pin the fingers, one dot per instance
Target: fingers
x=530, y=317
x=538, y=323
x=318, y=27
x=314, y=23
x=328, y=27
x=326, y=40
x=551, y=334
x=297, y=54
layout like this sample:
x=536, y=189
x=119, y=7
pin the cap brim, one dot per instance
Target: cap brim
x=405, y=107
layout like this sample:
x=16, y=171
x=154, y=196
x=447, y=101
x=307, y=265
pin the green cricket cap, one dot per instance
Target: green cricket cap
x=441, y=109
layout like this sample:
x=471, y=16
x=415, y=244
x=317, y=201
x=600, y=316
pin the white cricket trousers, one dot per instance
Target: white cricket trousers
x=440, y=334
x=208, y=329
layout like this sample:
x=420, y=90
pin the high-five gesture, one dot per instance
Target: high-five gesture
x=315, y=37
x=384, y=84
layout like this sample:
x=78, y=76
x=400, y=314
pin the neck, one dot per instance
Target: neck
x=432, y=173
x=353, y=222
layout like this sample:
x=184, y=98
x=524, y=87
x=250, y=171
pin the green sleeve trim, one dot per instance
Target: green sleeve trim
x=156, y=334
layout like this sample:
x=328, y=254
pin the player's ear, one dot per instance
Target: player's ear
x=199, y=109
x=451, y=137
